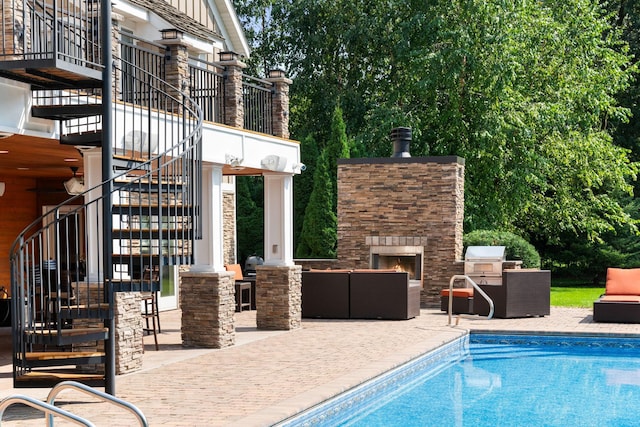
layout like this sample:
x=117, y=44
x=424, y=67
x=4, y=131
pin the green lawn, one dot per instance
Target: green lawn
x=574, y=296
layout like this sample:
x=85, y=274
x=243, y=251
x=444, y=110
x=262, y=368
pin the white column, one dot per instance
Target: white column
x=93, y=177
x=209, y=250
x=278, y=220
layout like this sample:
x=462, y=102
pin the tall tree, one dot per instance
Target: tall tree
x=337, y=148
x=318, y=238
x=303, y=185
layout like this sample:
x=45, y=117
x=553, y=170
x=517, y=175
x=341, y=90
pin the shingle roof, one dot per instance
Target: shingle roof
x=181, y=21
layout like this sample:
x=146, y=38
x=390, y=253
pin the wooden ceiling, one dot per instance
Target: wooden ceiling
x=30, y=157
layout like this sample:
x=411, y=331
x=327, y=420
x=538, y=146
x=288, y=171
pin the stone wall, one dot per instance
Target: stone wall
x=403, y=199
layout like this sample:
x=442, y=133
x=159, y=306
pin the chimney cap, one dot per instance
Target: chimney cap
x=401, y=138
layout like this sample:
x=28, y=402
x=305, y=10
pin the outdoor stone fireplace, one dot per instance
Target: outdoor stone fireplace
x=403, y=209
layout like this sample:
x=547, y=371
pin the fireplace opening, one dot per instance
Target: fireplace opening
x=401, y=259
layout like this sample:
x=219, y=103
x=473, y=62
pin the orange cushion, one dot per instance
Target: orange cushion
x=458, y=292
x=621, y=298
x=236, y=269
x=623, y=281
x=376, y=270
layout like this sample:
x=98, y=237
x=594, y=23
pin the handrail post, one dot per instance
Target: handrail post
x=47, y=408
x=95, y=393
x=476, y=288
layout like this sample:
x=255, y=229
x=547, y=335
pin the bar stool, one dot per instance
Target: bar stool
x=150, y=311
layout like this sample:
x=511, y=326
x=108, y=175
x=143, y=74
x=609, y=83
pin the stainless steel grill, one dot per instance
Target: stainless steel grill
x=483, y=264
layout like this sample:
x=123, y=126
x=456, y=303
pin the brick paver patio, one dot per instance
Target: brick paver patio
x=270, y=375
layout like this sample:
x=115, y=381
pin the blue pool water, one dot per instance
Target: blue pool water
x=499, y=380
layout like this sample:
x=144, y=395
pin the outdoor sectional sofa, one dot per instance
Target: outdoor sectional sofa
x=359, y=294
x=523, y=293
x=621, y=300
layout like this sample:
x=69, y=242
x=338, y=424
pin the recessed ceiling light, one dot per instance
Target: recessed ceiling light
x=4, y=151
x=23, y=169
x=70, y=160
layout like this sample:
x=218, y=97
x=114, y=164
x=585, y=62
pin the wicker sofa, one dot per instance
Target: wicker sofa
x=359, y=294
x=621, y=300
x=523, y=293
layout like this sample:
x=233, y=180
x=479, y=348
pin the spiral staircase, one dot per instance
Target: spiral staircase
x=119, y=235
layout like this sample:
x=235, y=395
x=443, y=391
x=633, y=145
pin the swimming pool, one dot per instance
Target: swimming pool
x=499, y=380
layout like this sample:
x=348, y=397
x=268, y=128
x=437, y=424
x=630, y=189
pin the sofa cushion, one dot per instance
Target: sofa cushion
x=620, y=298
x=458, y=293
x=623, y=281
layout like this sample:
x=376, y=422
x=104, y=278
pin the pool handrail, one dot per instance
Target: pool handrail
x=95, y=393
x=47, y=408
x=475, y=287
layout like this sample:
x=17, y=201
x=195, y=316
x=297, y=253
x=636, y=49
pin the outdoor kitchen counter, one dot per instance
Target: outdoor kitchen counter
x=523, y=293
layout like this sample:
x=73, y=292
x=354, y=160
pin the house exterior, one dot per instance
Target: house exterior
x=122, y=132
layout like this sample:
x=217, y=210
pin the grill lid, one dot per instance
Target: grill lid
x=485, y=253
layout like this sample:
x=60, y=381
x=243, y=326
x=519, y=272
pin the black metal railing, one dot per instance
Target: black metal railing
x=140, y=59
x=62, y=29
x=57, y=262
x=256, y=97
x=206, y=87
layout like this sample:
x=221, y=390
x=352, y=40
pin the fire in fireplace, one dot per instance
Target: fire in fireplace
x=407, y=259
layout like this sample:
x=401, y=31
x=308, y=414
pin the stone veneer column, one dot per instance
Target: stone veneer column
x=233, y=99
x=128, y=333
x=229, y=231
x=207, y=300
x=177, y=65
x=279, y=297
x=129, y=345
x=280, y=103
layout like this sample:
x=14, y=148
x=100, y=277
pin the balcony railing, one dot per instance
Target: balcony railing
x=206, y=88
x=256, y=96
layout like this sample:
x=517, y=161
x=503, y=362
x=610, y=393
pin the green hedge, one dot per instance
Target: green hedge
x=516, y=247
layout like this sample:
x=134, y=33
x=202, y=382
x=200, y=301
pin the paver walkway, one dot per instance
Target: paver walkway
x=271, y=375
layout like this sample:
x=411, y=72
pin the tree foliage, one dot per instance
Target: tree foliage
x=318, y=238
x=526, y=92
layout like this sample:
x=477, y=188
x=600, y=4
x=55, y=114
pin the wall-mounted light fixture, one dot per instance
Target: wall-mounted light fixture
x=234, y=161
x=75, y=185
x=2, y=188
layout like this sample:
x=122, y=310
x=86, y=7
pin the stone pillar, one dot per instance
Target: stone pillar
x=208, y=304
x=116, y=22
x=128, y=319
x=128, y=324
x=279, y=297
x=280, y=103
x=233, y=99
x=177, y=64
